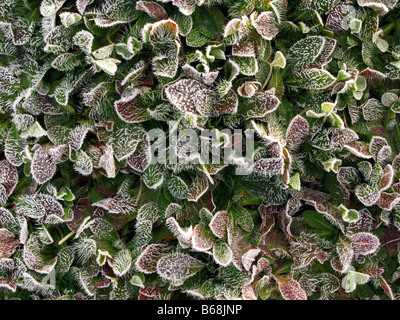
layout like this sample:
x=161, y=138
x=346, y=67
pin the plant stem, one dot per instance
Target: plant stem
x=69, y=235
x=207, y=173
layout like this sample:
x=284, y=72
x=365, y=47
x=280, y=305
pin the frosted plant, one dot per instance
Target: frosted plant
x=94, y=206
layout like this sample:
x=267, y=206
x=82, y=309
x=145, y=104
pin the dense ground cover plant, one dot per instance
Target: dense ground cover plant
x=86, y=214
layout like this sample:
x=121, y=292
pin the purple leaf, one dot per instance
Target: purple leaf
x=365, y=243
x=8, y=176
x=43, y=166
x=153, y=9
x=291, y=289
x=218, y=224
x=297, y=132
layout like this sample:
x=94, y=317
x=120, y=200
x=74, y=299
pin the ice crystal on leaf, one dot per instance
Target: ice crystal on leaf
x=153, y=9
x=97, y=201
x=8, y=177
x=8, y=243
x=364, y=243
x=296, y=132
x=43, y=166
x=190, y=96
x=177, y=267
x=266, y=25
x=291, y=289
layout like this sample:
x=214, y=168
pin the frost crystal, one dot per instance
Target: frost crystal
x=190, y=96
x=178, y=267
x=43, y=166
x=107, y=187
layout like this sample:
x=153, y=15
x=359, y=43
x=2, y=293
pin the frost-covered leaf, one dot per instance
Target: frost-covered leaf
x=190, y=96
x=153, y=9
x=147, y=260
x=163, y=35
x=346, y=253
x=107, y=162
x=198, y=187
x=35, y=259
x=8, y=243
x=153, y=176
x=222, y=253
x=35, y=131
x=372, y=110
x=291, y=289
x=65, y=258
x=269, y=166
x=367, y=195
x=364, y=243
x=388, y=201
x=8, y=177
x=58, y=39
x=14, y=147
x=249, y=258
x=43, y=166
x=54, y=212
x=307, y=52
x=108, y=65
x=202, y=238
x=359, y=149
x=143, y=235
x=70, y=18
x=177, y=267
x=184, y=236
x=306, y=249
x=84, y=40
x=266, y=25
x=227, y=104
x=261, y=104
x=177, y=187
x=50, y=7
x=122, y=262
x=297, y=132
x=141, y=158
x=352, y=278
x=378, y=5
x=129, y=108
x=125, y=140
x=83, y=163
x=248, y=66
x=218, y=224
x=387, y=178
x=311, y=79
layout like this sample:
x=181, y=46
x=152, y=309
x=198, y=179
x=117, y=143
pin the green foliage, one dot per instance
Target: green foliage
x=87, y=213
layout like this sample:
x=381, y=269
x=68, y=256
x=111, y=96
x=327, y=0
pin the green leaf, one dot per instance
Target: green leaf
x=311, y=79
x=316, y=220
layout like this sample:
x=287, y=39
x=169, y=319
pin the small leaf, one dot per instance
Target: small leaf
x=291, y=289
x=202, y=238
x=43, y=167
x=8, y=243
x=365, y=243
x=153, y=9
x=147, y=260
x=190, y=96
x=297, y=132
x=311, y=79
x=50, y=7
x=218, y=224
x=177, y=267
x=222, y=253
x=8, y=176
x=108, y=65
x=266, y=25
